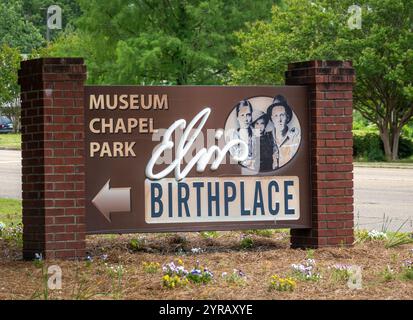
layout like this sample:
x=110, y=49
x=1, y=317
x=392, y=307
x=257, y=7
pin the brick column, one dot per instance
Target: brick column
x=53, y=177
x=330, y=85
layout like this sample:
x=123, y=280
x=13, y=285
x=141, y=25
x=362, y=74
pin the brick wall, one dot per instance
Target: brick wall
x=53, y=161
x=330, y=86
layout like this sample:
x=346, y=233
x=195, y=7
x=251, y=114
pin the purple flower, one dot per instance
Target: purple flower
x=196, y=272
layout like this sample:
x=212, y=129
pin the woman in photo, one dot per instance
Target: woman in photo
x=287, y=139
x=244, y=131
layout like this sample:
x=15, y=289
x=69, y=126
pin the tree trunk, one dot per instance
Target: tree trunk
x=385, y=137
x=395, y=146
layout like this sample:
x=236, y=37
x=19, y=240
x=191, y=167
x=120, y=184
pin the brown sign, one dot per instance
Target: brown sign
x=194, y=158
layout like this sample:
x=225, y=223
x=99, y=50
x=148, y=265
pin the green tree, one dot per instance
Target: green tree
x=15, y=30
x=162, y=41
x=35, y=11
x=9, y=89
x=381, y=51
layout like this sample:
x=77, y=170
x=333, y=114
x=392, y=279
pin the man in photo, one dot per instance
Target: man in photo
x=287, y=139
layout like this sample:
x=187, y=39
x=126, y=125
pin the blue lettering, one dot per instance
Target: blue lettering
x=183, y=200
x=271, y=185
x=244, y=212
x=198, y=186
x=156, y=200
x=258, y=199
x=227, y=199
x=214, y=198
x=170, y=209
x=288, y=196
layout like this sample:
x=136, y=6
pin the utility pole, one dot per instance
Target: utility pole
x=47, y=26
x=53, y=19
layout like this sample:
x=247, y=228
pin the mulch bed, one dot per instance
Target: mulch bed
x=268, y=255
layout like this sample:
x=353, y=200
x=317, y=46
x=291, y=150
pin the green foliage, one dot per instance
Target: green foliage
x=235, y=278
x=202, y=277
x=268, y=233
x=310, y=253
x=365, y=235
x=9, y=89
x=209, y=234
x=136, y=244
x=246, y=242
x=396, y=239
x=282, y=284
x=12, y=233
x=381, y=51
x=407, y=131
x=172, y=282
x=15, y=30
x=161, y=42
x=340, y=275
x=388, y=274
x=10, y=141
x=405, y=148
x=368, y=146
x=407, y=273
x=34, y=12
x=151, y=267
x=10, y=211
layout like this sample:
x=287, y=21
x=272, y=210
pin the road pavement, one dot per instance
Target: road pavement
x=383, y=196
x=10, y=174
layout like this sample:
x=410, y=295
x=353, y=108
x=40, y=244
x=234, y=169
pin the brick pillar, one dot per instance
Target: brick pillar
x=53, y=177
x=330, y=85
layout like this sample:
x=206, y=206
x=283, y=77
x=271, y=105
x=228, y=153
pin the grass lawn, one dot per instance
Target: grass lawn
x=10, y=211
x=10, y=141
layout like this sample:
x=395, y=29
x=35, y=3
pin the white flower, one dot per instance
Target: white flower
x=224, y=274
x=374, y=234
x=2, y=226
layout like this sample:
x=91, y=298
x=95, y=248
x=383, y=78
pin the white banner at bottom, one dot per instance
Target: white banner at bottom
x=222, y=199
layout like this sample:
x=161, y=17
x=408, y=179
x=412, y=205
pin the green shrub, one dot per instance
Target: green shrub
x=368, y=146
x=136, y=244
x=405, y=148
x=209, y=234
x=246, y=242
x=261, y=232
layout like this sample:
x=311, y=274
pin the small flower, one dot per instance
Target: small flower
x=89, y=259
x=196, y=272
x=2, y=226
x=224, y=274
x=38, y=256
x=408, y=264
x=374, y=234
x=341, y=267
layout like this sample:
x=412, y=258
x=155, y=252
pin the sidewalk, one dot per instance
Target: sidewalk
x=392, y=165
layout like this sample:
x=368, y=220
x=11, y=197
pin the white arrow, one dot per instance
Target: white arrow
x=112, y=200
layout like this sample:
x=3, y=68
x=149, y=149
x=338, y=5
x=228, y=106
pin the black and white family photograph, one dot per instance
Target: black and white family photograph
x=270, y=129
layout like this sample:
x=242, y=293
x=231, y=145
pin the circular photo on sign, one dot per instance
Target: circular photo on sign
x=270, y=129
